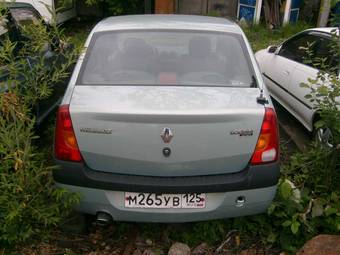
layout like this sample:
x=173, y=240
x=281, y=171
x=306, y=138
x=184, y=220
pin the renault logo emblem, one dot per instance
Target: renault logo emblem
x=167, y=135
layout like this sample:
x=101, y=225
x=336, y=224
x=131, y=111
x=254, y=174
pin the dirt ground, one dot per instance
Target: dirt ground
x=111, y=240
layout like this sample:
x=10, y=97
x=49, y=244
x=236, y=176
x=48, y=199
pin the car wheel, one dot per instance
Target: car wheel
x=323, y=136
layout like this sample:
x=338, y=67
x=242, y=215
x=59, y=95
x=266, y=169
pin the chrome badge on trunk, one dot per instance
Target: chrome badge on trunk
x=96, y=130
x=242, y=132
x=167, y=135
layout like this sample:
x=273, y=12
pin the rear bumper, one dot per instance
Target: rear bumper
x=253, y=177
x=104, y=192
x=218, y=205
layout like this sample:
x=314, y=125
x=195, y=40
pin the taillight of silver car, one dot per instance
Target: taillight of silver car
x=267, y=147
x=65, y=144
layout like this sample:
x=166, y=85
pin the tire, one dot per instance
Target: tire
x=324, y=137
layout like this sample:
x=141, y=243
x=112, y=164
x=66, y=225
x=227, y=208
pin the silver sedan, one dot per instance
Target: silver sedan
x=167, y=119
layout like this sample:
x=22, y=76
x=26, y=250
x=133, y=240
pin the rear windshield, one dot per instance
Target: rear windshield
x=166, y=58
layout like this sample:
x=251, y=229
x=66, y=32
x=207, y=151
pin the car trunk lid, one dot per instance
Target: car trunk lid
x=119, y=128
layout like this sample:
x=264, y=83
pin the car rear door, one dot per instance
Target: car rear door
x=278, y=69
x=285, y=71
x=320, y=46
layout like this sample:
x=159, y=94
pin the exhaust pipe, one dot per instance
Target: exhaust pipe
x=103, y=219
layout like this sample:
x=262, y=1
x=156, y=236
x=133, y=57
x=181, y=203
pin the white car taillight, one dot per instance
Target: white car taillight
x=267, y=147
x=65, y=145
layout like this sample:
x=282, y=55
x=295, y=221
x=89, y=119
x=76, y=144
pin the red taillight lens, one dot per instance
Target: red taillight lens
x=65, y=144
x=267, y=147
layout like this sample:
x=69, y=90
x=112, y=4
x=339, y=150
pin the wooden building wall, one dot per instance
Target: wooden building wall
x=165, y=6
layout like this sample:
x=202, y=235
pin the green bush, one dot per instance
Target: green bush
x=28, y=201
x=308, y=200
x=119, y=7
x=29, y=204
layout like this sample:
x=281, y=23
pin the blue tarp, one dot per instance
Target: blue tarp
x=247, y=13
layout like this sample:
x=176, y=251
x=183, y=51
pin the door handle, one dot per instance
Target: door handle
x=286, y=72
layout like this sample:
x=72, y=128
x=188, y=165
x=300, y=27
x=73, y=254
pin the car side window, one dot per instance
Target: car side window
x=24, y=16
x=292, y=48
x=320, y=47
x=323, y=51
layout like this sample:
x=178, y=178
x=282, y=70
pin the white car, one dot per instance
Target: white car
x=64, y=10
x=283, y=70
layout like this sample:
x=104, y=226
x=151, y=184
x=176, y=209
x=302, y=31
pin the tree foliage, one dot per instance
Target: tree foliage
x=119, y=7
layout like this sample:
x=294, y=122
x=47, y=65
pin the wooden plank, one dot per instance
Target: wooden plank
x=165, y=6
x=224, y=8
x=196, y=7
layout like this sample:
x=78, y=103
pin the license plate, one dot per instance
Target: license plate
x=152, y=200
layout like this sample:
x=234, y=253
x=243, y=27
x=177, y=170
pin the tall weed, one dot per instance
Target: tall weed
x=29, y=203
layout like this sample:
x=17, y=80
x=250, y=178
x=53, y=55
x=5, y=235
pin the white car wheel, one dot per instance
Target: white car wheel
x=324, y=137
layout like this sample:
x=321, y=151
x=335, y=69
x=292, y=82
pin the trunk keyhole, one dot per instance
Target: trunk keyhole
x=166, y=152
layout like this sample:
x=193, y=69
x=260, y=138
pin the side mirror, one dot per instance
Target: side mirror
x=272, y=49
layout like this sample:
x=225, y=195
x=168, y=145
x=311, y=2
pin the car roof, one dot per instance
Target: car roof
x=177, y=22
x=325, y=29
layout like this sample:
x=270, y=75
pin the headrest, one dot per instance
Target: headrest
x=137, y=47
